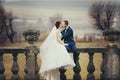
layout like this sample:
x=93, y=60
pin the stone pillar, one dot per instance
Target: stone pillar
x=31, y=67
x=112, y=63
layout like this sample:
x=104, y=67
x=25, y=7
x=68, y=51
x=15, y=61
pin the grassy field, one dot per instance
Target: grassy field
x=83, y=60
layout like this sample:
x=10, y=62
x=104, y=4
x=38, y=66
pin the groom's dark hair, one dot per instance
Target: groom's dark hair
x=66, y=22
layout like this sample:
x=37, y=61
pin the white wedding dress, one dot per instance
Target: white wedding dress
x=53, y=56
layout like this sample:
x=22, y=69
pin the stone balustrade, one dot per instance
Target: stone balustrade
x=110, y=67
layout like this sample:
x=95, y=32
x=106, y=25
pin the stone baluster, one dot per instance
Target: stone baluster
x=62, y=74
x=2, y=69
x=77, y=70
x=102, y=75
x=91, y=67
x=15, y=67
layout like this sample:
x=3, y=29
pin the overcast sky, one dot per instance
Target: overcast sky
x=37, y=7
x=76, y=11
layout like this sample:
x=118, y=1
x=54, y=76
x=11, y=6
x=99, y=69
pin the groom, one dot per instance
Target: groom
x=67, y=36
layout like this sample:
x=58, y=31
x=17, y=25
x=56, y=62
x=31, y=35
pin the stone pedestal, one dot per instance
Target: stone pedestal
x=112, y=63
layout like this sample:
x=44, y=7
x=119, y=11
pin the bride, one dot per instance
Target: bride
x=54, y=55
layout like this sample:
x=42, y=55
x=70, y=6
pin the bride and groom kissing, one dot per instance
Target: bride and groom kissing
x=54, y=51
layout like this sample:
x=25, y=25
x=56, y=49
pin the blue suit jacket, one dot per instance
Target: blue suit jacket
x=68, y=36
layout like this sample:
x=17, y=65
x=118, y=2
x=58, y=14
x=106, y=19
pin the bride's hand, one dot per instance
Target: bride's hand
x=66, y=44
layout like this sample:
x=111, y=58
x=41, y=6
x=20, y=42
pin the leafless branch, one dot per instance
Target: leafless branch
x=103, y=14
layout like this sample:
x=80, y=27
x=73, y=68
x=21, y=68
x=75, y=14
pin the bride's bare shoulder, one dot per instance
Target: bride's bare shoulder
x=57, y=31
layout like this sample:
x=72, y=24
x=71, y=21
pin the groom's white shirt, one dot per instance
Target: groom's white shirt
x=66, y=28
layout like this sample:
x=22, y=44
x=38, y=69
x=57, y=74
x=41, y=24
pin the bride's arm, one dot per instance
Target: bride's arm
x=59, y=39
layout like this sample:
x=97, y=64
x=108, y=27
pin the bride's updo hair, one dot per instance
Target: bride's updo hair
x=57, y=24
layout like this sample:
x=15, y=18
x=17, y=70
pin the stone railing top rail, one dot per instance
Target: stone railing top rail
x=91, y=49
x=79, y=49
x=12, y=49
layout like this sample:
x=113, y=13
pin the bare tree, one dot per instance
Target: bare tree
x=1, y=1
x=117, y=18
x=6, y=27
x=103, y=14
x=118, y=10
x=110, y=11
